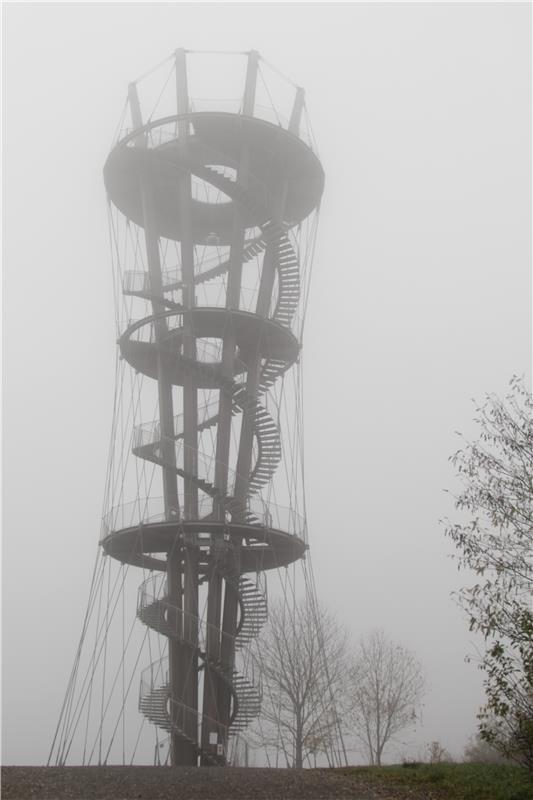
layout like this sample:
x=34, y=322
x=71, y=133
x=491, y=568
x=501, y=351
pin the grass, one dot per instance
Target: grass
x=458, y=781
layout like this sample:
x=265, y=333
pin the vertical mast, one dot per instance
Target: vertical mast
x=183, y=567
x=221, y=648
x=190, y=412
x=296, y=113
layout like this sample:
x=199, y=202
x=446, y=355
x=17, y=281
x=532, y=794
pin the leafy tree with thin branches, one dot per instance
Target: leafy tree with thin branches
x=494, y=539
x=478, y=751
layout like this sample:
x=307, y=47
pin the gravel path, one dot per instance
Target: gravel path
x=184, y=783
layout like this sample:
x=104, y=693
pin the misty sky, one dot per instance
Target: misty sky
x=420, y=302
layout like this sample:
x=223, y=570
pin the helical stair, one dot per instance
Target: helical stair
x=153, y=610
x=234, y=532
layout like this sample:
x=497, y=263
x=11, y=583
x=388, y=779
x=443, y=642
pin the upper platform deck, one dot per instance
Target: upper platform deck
x=216, y=146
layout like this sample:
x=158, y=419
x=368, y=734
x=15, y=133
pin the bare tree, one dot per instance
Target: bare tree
x=387, y=689
x=437, y=754
x=304, y=666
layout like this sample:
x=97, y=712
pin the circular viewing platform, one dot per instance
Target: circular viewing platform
x=254, y=336
x=259, y=547
x=211, y=152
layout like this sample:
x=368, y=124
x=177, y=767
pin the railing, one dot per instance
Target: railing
x=174, y=339
x=150, y=432
x=266, y=113
x=172, y=453
x=231, y=106
x=162, y=132
x=196, y=632
x=181, y=716
x=144, y=330
x=138, y=282
x=151, y=510
x=146, y=511
x=153, y=676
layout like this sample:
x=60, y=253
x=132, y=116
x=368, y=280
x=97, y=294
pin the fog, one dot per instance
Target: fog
x=420, y=301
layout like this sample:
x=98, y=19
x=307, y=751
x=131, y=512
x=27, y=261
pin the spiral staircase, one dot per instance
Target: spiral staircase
x=245, y=687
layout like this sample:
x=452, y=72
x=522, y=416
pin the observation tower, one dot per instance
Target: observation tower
x=219, y=204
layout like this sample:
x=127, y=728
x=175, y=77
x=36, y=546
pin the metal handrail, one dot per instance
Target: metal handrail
x=195, y=631
x=234, y=107
x=151, y=510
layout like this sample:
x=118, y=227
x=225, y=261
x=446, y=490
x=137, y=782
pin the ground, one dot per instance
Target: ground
x=182, y=783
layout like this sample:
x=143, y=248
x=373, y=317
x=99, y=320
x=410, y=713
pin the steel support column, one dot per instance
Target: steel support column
x=216, y=693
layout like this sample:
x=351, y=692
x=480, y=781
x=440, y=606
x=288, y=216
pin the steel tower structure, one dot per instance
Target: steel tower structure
x=238, y=187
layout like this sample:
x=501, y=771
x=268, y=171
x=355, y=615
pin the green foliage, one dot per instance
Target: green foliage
x=456, y=781
x=494, y=539
x=479, y=751
x=507, y=719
